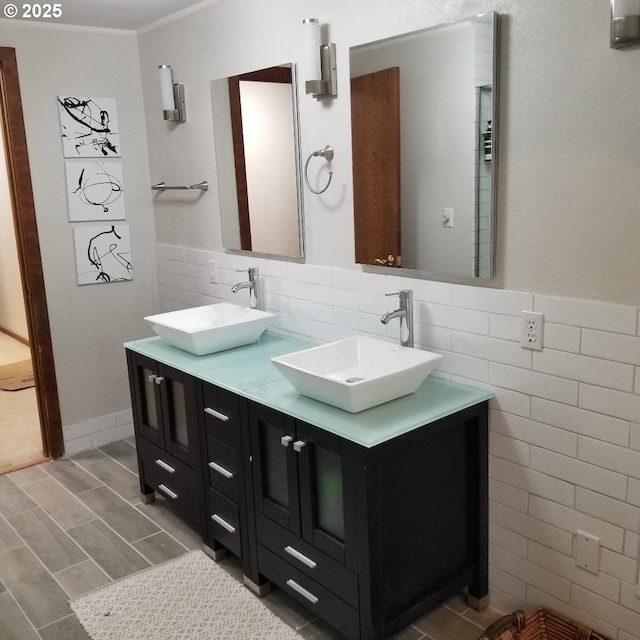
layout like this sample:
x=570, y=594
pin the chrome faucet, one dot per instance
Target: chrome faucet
x=405, y=314
x=252, y=285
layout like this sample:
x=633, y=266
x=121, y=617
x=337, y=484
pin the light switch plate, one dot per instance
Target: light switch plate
x=587, y=551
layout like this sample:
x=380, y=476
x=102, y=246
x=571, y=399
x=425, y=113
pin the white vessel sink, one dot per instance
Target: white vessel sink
x=356, y=373
x=211, y=328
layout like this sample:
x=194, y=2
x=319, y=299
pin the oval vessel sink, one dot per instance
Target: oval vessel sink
x=356, y=373
x=210, y=328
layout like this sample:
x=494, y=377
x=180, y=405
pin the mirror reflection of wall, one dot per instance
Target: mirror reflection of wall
x=436, y=213
x=256, y=139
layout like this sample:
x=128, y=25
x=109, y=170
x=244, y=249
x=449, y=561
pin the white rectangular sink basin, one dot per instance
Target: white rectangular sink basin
x=356, y=373
x=211, y=328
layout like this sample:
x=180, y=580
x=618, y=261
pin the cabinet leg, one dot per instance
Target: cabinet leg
x=148, y=498
x=216, y=554
x=477, y=603
x=260, y=590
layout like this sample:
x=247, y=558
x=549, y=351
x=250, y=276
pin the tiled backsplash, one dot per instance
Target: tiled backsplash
x=565, y=422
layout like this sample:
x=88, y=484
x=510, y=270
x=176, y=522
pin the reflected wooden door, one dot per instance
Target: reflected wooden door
x=375, y=131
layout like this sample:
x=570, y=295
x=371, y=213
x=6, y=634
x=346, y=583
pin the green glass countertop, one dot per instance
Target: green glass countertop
x=248, y=371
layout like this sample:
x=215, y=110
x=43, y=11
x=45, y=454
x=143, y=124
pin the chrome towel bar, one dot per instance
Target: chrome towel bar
x=161, y=186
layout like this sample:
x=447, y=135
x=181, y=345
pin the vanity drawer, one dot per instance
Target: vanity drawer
x=307, y=559
x=172, y=479
x=223, y=521
x=222, y=415
x=313, y=595
x=225, y=473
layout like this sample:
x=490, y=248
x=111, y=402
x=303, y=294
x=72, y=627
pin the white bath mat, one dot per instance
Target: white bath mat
x=189, y=598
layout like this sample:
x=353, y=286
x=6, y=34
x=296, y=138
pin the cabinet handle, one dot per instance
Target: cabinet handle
x=152, y=377
x=285, y=441
x=298, y=445
x=158, y=379
x=216, y=414
x=302, y=591
x=302, y=558
x=223, y=523
x=221, y=470
x=165, y=466
x=168, y=491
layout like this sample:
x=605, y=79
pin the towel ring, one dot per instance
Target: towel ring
x=327, y=154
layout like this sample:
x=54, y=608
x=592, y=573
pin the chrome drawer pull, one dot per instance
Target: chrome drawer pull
x=159, y=380
x=168, y=491
x=302, y=591
x=221, y=470
x=298, y=556
x=165, y=466
x=285, y=441
x=216, y=414
x=223, y=523
x=298, y=445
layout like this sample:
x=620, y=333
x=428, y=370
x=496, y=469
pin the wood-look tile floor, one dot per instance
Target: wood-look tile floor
x=70, y=526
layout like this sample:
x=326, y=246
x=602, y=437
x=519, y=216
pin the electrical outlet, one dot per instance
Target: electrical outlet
x=213, y=275
x=447, y=217
x=532, y=330
x=587, y=551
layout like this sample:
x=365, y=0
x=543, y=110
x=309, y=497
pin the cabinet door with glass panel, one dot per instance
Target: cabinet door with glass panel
x=165, y=408
x=300, y=480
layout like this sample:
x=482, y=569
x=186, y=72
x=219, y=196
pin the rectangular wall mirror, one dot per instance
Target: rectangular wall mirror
x=424, y=135
x=256, y=132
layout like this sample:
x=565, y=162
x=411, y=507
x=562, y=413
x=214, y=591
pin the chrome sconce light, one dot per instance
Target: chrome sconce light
x=173, y=106
x=320, y=62
x=625, y=23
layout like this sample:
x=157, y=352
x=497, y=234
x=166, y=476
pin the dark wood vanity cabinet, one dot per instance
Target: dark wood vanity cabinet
x=369, y=538
x=304, y=515
x=221, y=420
x=167, y=437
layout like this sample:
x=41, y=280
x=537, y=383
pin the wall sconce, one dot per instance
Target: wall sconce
x=625, y=23
x=320, y=62
x=173, y=106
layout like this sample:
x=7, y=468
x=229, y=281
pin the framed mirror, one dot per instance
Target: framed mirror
x=424, y=128
x=256, y=132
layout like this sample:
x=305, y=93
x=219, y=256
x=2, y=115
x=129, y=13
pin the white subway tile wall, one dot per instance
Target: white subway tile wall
x=97, y=432
x=565, y=422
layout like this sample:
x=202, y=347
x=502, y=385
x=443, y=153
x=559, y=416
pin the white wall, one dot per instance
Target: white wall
x=567, y=131
x=12, y=313
x=88, y=323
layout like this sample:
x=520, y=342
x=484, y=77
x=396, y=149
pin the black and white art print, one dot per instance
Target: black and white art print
x=103, y=253
x=95, y=191
x=89, y=127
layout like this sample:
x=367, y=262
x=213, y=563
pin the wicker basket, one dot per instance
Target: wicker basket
x=541, y=624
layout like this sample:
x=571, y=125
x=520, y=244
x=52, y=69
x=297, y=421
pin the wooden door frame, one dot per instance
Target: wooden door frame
x=33, y=289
